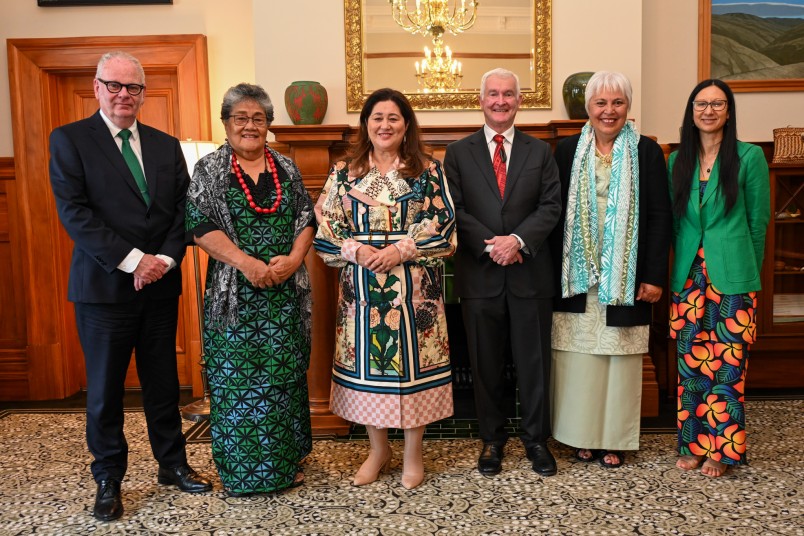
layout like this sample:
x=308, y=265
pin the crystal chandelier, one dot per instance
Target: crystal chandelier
x=438, y=72
x=435, y=17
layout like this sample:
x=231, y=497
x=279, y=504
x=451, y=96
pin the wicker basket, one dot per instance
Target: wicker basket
x=788, y=146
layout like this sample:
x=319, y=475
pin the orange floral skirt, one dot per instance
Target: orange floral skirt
x=713, y=331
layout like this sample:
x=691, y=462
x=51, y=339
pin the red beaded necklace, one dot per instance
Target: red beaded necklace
x=247, y=191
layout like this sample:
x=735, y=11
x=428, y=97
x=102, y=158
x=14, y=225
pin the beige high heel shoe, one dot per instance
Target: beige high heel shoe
x=413, y=468
x=412, y=479
x=369, y=473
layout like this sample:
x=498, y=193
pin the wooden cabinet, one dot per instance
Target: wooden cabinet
x=778, y=354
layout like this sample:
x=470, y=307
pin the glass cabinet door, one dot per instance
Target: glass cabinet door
x=786, y=238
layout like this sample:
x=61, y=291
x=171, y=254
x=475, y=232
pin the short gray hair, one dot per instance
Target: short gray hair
x=608, y=81
x=243, y=92
x=120, y=55
x=501, y=73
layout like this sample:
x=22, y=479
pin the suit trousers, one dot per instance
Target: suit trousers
x=490, y=324
x=108, y=334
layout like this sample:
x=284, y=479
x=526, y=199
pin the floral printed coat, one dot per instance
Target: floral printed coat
x=391, y=334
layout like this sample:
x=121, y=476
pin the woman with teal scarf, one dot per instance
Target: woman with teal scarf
x=610, y=250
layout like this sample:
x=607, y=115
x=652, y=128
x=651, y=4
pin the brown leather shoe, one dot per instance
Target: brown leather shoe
x=108, y=505
x=184, y=477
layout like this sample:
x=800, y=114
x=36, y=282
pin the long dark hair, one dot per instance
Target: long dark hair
x=690, y=148
x=412, y=153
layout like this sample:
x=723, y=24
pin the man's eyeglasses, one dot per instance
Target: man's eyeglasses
x=259, y=121
x=717, y=105
x=117, y=87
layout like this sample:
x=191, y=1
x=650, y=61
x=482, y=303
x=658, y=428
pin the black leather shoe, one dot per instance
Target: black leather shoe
x=490, y=461
x=108, y=505
x=542, y=458
x=184, y=477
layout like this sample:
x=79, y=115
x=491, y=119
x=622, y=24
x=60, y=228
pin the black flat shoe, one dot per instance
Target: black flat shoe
x=490, y=460
x=108, y=504
x=184, y=477
x=543, y=461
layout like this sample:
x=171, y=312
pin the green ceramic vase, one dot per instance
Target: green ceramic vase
x=306, y=102
x=574, y=98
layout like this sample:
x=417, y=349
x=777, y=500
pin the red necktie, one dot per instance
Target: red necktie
x=499, y=163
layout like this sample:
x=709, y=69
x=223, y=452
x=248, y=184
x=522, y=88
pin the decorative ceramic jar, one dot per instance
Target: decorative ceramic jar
x=574, y=98
x=306, y=102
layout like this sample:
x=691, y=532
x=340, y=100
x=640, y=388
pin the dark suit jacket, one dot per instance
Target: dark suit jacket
x=653, y=243
x=102, y=210
x=530, y=209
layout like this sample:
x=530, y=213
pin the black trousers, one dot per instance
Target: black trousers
x=108, y=334
x=490, y=324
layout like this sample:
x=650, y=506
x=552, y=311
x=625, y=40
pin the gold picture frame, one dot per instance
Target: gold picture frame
x=738, y=86
x=539, y=97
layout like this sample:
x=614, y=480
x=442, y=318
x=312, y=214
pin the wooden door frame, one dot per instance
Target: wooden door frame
x=33, y=66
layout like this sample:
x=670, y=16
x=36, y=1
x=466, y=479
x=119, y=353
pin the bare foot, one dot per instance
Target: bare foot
x=587, y=455
x=612, y=458
x=688, y=463
x=713, y=468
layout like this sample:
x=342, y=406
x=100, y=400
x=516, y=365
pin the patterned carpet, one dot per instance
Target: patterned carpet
x=47, y=489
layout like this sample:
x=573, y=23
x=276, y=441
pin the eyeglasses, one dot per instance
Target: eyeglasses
x=717, y=105
x=117, y=87
x=259, y=121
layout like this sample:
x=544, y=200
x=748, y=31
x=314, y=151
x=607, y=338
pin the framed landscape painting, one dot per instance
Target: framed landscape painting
x=752, y=45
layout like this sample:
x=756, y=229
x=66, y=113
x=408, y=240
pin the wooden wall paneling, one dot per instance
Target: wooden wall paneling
x=311, y=147
x=13, y=359
x=48, y=88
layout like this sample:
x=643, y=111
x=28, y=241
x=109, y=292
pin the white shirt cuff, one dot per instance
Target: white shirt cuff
x=132, y=260
x=169, y=260
x=522, y=245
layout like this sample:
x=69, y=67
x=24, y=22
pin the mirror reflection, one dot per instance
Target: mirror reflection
x=438, y=68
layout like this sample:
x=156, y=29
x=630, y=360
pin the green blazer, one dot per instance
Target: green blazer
x=734, y=243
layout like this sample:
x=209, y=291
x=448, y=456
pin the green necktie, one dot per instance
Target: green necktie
x=134, y=165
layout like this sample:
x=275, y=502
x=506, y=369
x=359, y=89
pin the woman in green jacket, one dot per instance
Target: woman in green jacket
x=721, y=208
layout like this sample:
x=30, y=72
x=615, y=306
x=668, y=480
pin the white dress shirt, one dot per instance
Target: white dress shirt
x=132, y=260
x=507, y=146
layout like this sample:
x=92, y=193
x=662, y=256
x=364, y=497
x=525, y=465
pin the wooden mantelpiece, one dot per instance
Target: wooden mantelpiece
x=314, y=148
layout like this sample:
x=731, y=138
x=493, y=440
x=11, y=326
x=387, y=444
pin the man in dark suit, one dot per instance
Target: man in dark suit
x=507, y=198
x=120, y=188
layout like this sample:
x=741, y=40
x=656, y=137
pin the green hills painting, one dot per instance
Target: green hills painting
x=757, y=40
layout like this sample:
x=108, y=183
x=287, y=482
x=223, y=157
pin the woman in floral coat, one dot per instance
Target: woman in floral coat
x=386, y=219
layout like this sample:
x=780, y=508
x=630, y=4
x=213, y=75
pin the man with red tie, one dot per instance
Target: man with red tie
x=507, y=198
x=120, y=189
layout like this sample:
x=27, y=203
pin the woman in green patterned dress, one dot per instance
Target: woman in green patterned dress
x=248, y=209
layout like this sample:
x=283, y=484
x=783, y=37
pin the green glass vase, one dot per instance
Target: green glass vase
x=574, y=94
x=306, y=102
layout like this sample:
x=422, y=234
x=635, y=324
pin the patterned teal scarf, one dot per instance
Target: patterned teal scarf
x=618, y=253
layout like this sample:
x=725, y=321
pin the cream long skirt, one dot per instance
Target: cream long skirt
x=596, y=400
